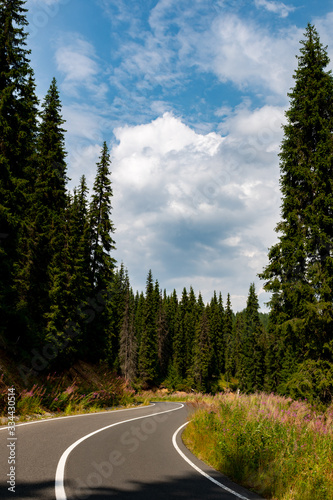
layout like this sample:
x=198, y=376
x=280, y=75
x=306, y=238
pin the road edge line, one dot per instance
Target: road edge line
x=174, y=442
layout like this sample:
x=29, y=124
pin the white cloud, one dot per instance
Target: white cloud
x=234, y=49
x=189, y=205
x=247, y=54
x=276, y=7
x=76, y=59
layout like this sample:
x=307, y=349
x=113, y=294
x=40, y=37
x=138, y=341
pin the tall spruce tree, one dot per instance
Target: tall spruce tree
x=253, y=366
x=228, y=340
x=148, y=351
x=18, y=126
x=101, y=225
x=179, y=339
x=216, y=334
x=127, y=341
x=300, y=271
x=164, y=348
x=45, y=265
x=102, y=262
x=115, y=302
x=202, y=353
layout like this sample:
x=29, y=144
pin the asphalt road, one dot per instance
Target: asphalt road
x=126, y=454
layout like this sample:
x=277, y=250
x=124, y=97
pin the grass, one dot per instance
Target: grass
x=280, y=448
x=57, y=396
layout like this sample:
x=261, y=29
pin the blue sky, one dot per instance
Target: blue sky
x=190, y=97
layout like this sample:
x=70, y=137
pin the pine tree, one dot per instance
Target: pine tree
x=253, y=368
x=148, y=365
x=299, y=273
x=171, y=307
x=18, y=126
x=101, y=225
x=127, y=342
x=228, y=340
x=163, y=339
x=115, y=303
x=179, y=339
x=216, y=332
x=202, y=353
x=190, y=322
x=139, y=304
x=102, y=275
x=237, y=364
x=44, y=280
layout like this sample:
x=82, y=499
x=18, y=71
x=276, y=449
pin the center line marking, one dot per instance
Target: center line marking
x=60, y=492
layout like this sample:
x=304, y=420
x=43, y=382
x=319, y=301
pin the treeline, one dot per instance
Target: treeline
x=56, y=246
x=183, y=343
x=63, y=298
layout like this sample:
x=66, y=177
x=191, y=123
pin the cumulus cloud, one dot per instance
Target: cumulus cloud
x=196, y=208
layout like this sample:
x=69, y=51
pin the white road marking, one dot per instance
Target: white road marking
x=174, y=437
x=60, y=472
x=54, y=419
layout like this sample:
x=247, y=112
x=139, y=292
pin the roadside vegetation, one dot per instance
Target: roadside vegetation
x=274, y=445
x=278, y=447
x=83, y=389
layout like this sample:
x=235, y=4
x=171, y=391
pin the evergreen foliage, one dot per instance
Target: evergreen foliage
x=299, y=273
x=18, y=128
x=202, y=353
x=148, y=351
x=61, y=290
x=128, y=342
x=252, y=346
x=101, y=225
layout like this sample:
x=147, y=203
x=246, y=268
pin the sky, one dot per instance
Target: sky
x=190, y=96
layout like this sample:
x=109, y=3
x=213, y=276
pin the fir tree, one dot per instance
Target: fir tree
x=190, y=321
x=202, y=353
x=139, y=315
x=216, y=332
x=115, y=303
x=127, y=342
x=148, y=365
x=299, y=273
x=45, y=275
x=228, y=340
x=18, y=126
x=101, y=332
x=101, y=225
x=253, y=368
x=236, y=362
x=179, y=339
x=163, y=339
x=171, y=308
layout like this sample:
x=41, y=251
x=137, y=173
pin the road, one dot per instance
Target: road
x=126, y=454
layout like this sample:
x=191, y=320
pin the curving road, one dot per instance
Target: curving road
x=134, y=454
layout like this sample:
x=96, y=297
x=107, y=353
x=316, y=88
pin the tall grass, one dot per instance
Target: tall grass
x=281, y=448
x=58, y=395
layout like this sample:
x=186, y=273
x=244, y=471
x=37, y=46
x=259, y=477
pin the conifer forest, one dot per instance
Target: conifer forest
x=64, y=298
